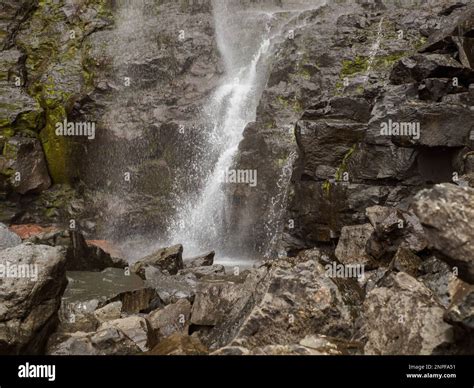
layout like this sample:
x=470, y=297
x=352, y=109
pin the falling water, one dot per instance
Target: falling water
x=246, y=40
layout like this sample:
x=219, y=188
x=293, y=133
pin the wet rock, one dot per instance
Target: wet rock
x=170, y=289
x=29, y=304
x=351, y=248
x=83, y=256
x=179, y=344
x=171, y=319
x=200, y=261
x=166, y=259
x=201, y=272
x=89, y=291
x=26, y=164
x=446, y=212
x=8, y=239
x=403, y=317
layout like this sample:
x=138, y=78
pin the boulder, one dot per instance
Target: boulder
x=33, y=281
x=351, y=248
x=406, y=261
x=394, y=229
x=295, y=298
x=439, y=277
x=8, y=239
x=200, y=261
x=201, y=272
x=214, y=300
x=25, y=159
x=84, y=256
x=109, y=312
x=403, y=317
x=170, y=289
x=171, y=319
x=133, y=327
x=446, y=212
x=166, y=259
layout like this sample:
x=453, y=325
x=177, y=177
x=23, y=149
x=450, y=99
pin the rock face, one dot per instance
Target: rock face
x=29, y=304
x=166, y=259
x=404, y=318
x=347, y=162
x=446, y=213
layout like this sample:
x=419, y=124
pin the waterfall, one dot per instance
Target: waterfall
x=246, y=39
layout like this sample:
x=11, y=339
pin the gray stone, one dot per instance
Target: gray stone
x=29, y=304
x=8, y=239
x=446, y=212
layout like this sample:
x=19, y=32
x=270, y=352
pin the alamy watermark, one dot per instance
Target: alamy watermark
x=396, y=128
x=70, y=128
x=248, y=177
x=19, y=271
x=336, y=270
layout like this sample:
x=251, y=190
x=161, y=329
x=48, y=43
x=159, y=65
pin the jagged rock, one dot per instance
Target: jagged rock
x=109, y=312
x=171, y=318
x=461, y=310
x=403, y=317
x=29, y=304
x=8, y=239
x=351, y=248
x=214, y=300
x=406, y=261
x=201, y=272
x=394, y=229
x=200, y=261
x=82, y=256
x=26, y=165
x=439, y=278
x=137, y=329
x=166, y=259
x=433, y=89
x=179, y=344
x=421, y=66
x=298, y=299
x=170, y=289
x=446, y=212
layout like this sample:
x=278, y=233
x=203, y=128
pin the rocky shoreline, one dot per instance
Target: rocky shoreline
x=415, y=296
